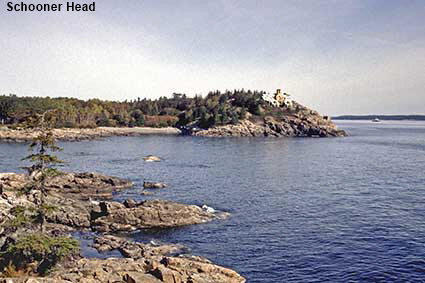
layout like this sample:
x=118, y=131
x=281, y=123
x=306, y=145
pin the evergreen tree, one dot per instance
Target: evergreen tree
x=224, y=117
x=235, y=119
x=40, y=250
x=15, y=111
x=242, y=114
x=43, y=164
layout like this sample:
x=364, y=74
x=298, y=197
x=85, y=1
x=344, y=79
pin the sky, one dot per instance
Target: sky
x=335, y=56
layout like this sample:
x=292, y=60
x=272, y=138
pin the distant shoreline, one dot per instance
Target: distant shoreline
x=75, y=134
x=381, y=117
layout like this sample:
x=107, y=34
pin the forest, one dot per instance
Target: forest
x=216, y=108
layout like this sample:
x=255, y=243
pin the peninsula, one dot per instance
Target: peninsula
x=238, y=113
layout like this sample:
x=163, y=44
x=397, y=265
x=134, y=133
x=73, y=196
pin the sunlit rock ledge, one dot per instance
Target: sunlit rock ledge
x=150, y=262
x=74, y=134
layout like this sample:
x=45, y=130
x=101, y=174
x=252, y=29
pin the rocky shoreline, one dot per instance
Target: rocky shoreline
x=80, y=199
x=291, y=126
x=302, y=124
x=73, y=185
x=74, y=134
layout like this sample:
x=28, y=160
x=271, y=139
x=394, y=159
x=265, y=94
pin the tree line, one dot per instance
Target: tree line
x=216, y=108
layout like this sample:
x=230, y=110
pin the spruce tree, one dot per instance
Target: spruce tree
x=43, y=163
x=37, y=251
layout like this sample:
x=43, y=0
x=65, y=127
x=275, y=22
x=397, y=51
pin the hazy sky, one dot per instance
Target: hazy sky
x=336, y=56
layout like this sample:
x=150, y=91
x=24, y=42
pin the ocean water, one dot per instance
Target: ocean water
x=303, y=209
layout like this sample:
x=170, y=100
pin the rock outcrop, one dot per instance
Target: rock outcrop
x=297, y=121
x=269, y=127
x=147, y=263
x=154, y=185
x=73, y=213
x=12, y=181
x=144, y=263
x=147, y=270
x=111, y=216
x=130, y=249
x=114, y=216
x=73, y=185
x=167, y=268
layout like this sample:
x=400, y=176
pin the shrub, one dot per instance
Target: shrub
x=21, y=216
x=40, y=249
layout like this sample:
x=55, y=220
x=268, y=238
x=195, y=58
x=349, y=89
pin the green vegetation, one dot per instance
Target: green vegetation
x=216, y=108
x=38, y=252
x=21, y=216
x=43, y=163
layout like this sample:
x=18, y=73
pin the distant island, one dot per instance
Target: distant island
x=229, y=113
x=381, y=117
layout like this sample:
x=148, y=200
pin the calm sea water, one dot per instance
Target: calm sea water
x=303, y=210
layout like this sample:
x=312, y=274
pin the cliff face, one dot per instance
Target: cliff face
x=297, y=122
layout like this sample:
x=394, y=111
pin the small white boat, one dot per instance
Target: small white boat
x=376, y=120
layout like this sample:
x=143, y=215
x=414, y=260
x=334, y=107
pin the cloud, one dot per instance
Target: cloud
x=336, y=56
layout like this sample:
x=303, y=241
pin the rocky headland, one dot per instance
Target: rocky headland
x=237, y=113
x=298, y=121
x=81, y=206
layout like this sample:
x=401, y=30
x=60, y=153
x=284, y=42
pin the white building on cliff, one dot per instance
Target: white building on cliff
x=278, y=99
